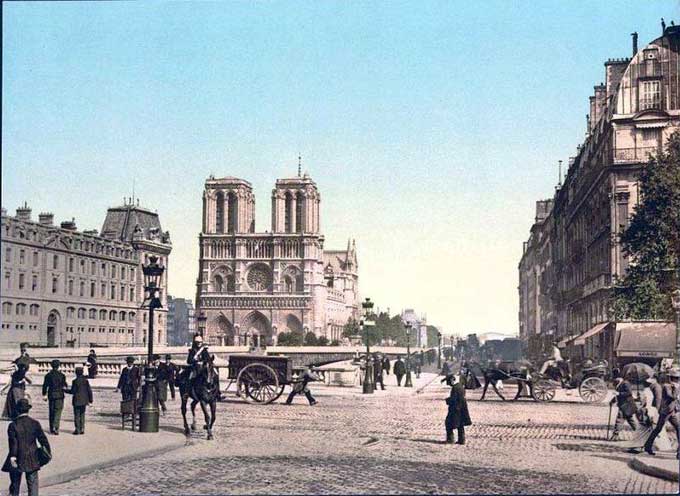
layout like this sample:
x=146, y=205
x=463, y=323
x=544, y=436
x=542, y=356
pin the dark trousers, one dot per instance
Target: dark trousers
x=15, y=482
x=79, y=418
x=55, y=407
x=172, y=390
x=620, y=421
x=308, y=394
x=379, y=380
x=449, y=434
x=674, y=419
x=128, y=393
x=399, y=377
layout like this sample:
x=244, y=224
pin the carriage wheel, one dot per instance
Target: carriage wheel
x=544, y=390
x=593, y=390
x=259, y=382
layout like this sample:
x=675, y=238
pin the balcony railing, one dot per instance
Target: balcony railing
x=252, y=247
x=640, y=154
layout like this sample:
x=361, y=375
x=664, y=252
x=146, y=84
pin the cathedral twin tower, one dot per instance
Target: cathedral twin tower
x=253, y=286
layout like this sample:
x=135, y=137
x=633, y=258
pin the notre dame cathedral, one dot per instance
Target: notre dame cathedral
x=252, y=286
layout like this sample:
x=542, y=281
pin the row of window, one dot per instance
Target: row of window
x=111, y=330
x=20, y=309
x=106, y=290
x=20, y=327
x=106, y=269
x=92, y=314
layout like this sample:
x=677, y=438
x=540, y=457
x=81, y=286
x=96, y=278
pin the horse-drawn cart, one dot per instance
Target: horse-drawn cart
x=589, y=380
x=260, y=379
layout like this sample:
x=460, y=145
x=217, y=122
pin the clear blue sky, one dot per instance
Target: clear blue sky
x=430, y=127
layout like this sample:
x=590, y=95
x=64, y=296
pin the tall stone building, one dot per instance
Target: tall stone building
x=418, y=327
x=631, y=116
x=64, y=287
x=181, y=321
x=252, y=285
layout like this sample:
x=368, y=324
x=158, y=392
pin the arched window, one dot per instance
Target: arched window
x=34, y=309
x=299, y=283
x=231, y=283
x=112, y=315
x=102, y=314
x=288, y=284
x=122, y=316
x=288, y=203
x=21, y=308
x=299, y=206
x=218, y=284
x=7, y=308
x=70, y=312
x=232, y=212
x=81, y=313
x=132, y=316
x=219, y=212
x=93, y=313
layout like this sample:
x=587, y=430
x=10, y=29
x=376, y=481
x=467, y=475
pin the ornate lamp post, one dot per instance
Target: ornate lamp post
x=148, y=416
x=365, y=323
x=675, y=301
x=439, y=350
x=409, y=382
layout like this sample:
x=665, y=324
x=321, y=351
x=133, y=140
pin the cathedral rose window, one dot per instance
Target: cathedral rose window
x=259, y=278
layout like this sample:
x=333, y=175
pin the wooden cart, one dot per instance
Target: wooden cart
x=260, y=379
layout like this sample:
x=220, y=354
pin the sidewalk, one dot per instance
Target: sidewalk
x=101, y=446
x=662, y=465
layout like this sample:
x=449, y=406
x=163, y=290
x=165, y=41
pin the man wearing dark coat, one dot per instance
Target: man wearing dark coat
x=386, y=364
x=82, y=397
x=458, y=416
x=130, y=378
x=399, y=370
x=172, y=370
x=162, y=380
x=301, y=386
x=198, y=353
x=626, y=404
x=378, y=372
x=92, y=367
x=53, y=391
x=668, y=412
x=22, y=458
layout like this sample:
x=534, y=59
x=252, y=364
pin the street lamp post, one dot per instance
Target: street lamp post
x=439, y=350
x=148, y=415
x=408, y=382
x=365, y=323
x=675, y=301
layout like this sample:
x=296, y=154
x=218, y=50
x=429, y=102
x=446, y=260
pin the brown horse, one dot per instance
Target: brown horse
x=203, y=389
x=501, y=371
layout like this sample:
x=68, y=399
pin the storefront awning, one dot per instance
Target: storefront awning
x=563, y=342
x=645, y=339
x=650, y=125
x=581, y=340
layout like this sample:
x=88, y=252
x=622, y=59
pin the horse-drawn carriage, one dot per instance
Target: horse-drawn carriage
x=260, y=378
x=590, y=379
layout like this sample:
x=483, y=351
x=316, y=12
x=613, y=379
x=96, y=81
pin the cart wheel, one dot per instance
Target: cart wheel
x=259, y=383
x=593, y=390
x=544, y=390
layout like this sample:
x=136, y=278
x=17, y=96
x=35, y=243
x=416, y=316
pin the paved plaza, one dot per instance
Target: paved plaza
x=389, y=442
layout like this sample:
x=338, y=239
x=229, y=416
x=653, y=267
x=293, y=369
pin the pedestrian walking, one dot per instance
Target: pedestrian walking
x=162, y=382
x=172, y=371
x=378, y=372
x=17, y=390
x=386, y=364
x=626, y=405
x=53, y=389
x=418, y=369
x=24, y=358
x=399, y=370
x=130, y=378
x=24, y=434
x=458, y=416
x=92, y=367
x=669, y=411
x=301, y=386
x=82, y=397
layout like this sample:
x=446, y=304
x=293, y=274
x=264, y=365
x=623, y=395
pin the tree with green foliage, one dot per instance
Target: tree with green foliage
x=652, y=241
x=291, y=338
x=432, y=336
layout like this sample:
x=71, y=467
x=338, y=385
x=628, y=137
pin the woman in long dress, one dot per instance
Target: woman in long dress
x=17, y=391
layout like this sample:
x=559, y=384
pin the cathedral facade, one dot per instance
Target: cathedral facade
x=253, y=286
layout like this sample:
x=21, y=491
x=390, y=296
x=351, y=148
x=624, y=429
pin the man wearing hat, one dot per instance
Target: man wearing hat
x=53, y=391
x=669, y=411
x=172, y=374
x=82, y=397
x=162, y=381
x=22, y=458
x=92, y=367
x=130, y=379
x=626, y=404
x=458, y=416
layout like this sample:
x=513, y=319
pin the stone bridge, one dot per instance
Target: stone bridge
x=111, y=360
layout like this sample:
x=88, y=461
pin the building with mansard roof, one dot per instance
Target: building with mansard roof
x=573, y=259
x=253, y=286
x=64, y=287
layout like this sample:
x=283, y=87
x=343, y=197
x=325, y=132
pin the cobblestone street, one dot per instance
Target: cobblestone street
x=389, y=442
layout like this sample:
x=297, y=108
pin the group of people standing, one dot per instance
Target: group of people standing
x=658, y=405
x=130, y=380
x=382, y=367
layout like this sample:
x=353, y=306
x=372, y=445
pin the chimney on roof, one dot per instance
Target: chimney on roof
x=635, y=45
x=24, y=213
x=69, y=224
x=46, y=218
